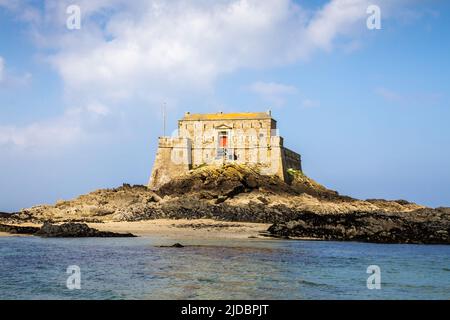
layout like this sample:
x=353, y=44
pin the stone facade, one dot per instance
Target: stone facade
x=215, y=139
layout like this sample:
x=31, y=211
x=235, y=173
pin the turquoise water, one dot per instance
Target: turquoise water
x=136, y=268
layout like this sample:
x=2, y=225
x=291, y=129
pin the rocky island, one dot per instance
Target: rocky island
x=301, y=209
x=225, y=168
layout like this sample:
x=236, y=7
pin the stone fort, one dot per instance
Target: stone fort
x=220, y=138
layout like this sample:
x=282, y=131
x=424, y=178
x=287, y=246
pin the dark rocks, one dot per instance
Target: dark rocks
x=75, y=230
x=430, y=226
x=176, y=245
x=228, y=180
x=66, y=230
x=18, y=229
x=208, y=225
x=378, y=201
x=263, y=200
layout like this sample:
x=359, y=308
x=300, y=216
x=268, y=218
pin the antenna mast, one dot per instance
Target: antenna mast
x=164, y=118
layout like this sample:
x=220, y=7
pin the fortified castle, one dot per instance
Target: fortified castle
x=219, y=138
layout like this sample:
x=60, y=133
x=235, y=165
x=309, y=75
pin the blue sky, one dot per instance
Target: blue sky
x=368, y=109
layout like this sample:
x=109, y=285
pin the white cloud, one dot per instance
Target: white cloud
x=277, y=93
x=24, y=10
x=150, y=49
x=98, y=109
x=272, y=92
x=338, y=17
x=272, y=88
x=54, y=133
x=48, y=134
x=8, y=79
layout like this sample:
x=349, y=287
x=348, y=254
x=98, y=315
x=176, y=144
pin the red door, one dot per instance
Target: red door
x=223, y=143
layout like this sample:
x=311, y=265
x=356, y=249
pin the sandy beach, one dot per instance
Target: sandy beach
x=5, y=234
x=182, y=228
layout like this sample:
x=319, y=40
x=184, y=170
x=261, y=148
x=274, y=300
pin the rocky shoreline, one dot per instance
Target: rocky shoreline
x=425, y=226
x=19, y=230
x=237, y=193
x=65, y=230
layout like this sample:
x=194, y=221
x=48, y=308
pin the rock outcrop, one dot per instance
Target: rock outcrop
x=76, y=230
x=65, y=230
x=240, y=193
x=430, y=226
x=18, y=229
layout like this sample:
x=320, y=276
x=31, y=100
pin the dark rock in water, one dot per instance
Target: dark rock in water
x=75, y=230
x=18, y=229
x=176, y=245
x=427, y=226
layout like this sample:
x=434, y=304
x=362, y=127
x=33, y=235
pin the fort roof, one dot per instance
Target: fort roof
x=227, y=116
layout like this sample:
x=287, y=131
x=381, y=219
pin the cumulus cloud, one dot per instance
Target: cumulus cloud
x=156, y=48
x=338, y=17
x=168, y=46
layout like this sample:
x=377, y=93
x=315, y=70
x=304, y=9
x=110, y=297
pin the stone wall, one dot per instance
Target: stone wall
x=293, y=159
x=249, y=140
x=172, y=159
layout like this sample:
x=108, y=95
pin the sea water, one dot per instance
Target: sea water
x=138, y=268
